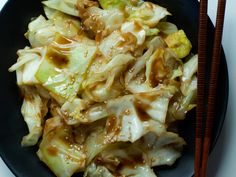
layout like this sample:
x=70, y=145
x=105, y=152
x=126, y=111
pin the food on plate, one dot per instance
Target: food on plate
x=102, y=83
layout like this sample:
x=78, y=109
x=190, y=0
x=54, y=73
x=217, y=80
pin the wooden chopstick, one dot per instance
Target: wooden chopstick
x=213, y=84
x=202, y=38
x=201, y=158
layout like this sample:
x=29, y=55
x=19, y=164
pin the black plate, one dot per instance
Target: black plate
x=23, y=161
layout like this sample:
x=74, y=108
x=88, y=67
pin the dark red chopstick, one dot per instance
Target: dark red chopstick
x=202, y=37
x=213, y=84
x=201, y=157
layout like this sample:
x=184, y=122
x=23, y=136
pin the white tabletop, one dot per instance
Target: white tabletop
x=223, y=159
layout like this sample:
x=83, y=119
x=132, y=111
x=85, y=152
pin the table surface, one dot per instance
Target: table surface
x=223, y=159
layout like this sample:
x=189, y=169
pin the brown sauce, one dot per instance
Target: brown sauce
x=159, y=72
x=52, y=151
x=137, y=27
x=147, y=96
x=141, y=110
x=132, y=161
x=57, y=59
x=81, y=9
x=62, y=40
x=111, y=124
x=99, y=37
x=129, y=39
x=134, y=2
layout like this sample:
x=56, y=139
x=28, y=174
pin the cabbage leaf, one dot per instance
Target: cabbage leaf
x=116, y=4
x=179, y=43
x=34, y=109
x=133, y=116
x=58, y=150
x=27, y=65
x=148, y=14
x=65, y=6
x=64, y=67
x=94, y=170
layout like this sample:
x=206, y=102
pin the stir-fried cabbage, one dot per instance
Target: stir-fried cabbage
x=102, y=22
x=67, y=6
x=130, y=120
x=137, y=158
x=189, y=71
x=167, y=27
x=148, y=14
x=76, y=112
x=139, y=171
x=102, y=81
x=64, y=67
x=113, y=4
x=135, y=29
x=27, y=65
x=58, y=150
x=34, y=109
x=179, y=43
x=158, y=149
x=97, y=171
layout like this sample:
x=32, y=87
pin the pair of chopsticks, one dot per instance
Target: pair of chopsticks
x=203, y=138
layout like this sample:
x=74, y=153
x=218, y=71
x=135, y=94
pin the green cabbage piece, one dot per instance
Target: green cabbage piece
x=179, y=43
x=132, y=116
x=163, y=149
x=76, y=112
x=103, y=22
x=138, y=171
x=137, y=159
x=148, y=14
x=125, y=124
x=185, y=99
x=135, y=29
x=107, y=4
x=94, y=170
x=62, y=20
x=122, y=158
x=64, y=68
x=42, y=32
x=117, y=43
x=167, y=27
x=115, y=67
x=161, y=66
x=139, y=65
x=181, y=103
x=34, y=109
x=101, y=86
x=65, y=6
x=151, y=31
x=101, y=92
x=92, y=149
x=156, y=42
x=189, y=70
x=27, y=65
x=58, y=150
x=93, y=139
x=158, y=65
